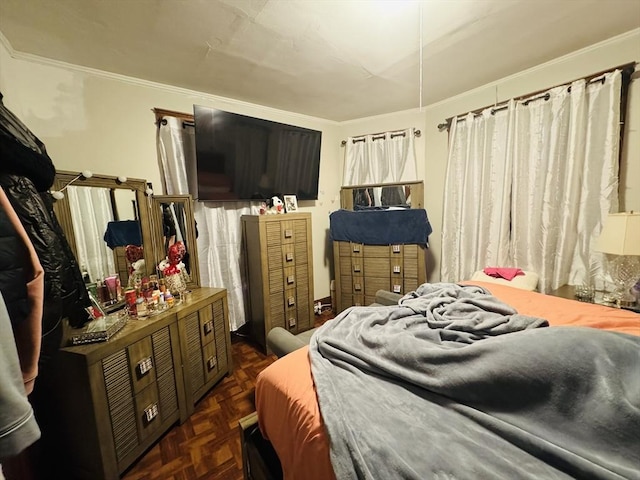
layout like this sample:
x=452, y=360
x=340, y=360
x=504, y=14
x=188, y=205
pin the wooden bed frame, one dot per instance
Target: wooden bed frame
x=259, y=459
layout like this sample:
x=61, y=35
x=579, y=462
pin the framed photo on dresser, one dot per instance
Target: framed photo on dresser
x=290, y=203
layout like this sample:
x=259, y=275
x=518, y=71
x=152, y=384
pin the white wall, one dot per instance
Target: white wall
x=102, y=122
x=433, y=143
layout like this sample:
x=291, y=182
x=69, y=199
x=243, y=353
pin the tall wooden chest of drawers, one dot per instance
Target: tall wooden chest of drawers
x=279, y=266
x=362, y=270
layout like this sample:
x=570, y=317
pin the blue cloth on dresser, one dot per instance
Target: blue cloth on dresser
x=122, y=233
x=380, y=227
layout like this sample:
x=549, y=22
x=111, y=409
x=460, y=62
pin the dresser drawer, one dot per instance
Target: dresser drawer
x=410, y=251
x=411, y=268
x=210, y=357
x=377, y=266
x=344, y=249
x=373, y=284
x=410, y=284
x=148, y=414
x=376, y=251
x=141, y=364
x=206, y=324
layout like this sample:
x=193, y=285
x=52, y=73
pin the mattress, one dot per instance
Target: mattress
x=286, y=403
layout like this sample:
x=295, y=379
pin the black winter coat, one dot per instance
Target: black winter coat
x=26, y=173
x=65, y=294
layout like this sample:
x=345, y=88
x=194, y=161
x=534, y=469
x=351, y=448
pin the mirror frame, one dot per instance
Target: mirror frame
x=417, y=192
x=192, y=242
x=62, y=208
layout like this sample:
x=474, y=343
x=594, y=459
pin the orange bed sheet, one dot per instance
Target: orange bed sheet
x=287, y=407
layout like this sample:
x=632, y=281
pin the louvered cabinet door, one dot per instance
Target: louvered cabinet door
x=121, y=404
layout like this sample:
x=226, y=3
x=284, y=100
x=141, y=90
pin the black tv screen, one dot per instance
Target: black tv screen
x=246, y=158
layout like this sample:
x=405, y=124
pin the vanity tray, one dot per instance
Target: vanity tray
x=99, y=330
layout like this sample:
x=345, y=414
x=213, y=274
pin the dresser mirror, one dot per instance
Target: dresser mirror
x=383, y=195
x=173, y=221
x=99, y=216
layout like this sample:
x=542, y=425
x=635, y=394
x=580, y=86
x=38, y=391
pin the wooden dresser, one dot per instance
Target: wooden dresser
x=362, y=270
x=115, y=399
x=279, y=268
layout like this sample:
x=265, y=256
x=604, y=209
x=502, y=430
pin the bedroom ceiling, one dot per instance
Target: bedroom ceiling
x=338, y=60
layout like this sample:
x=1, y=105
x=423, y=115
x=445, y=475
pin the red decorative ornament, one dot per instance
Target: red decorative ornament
x=176, y=253
x=133, y=253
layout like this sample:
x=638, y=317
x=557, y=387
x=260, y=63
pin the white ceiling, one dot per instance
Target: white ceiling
x=338, y=60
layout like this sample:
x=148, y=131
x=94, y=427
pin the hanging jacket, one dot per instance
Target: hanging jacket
x=26, y=173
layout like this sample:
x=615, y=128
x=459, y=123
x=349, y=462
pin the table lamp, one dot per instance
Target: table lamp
x=620, y=236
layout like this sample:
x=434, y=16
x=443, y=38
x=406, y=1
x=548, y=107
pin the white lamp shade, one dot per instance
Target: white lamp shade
x=620, y=234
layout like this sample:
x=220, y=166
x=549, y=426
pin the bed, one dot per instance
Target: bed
x=592, y=434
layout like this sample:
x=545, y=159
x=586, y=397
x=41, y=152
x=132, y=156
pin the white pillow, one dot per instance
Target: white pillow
x=528, y=281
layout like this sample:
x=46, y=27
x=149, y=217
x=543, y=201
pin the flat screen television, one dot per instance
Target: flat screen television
x=246, y=158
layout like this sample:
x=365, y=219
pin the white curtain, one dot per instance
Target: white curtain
x=382, y=158
x=475, y=230
x=218, y=223
x=90, y=212
x=565, y=180
x=530, y=186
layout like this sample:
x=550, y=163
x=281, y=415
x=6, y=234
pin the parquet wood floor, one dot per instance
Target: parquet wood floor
x=207, y=445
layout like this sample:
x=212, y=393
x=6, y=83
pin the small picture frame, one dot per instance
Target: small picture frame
x=290, y=203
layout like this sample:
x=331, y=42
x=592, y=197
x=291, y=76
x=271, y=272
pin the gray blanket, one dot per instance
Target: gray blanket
x=454, y=384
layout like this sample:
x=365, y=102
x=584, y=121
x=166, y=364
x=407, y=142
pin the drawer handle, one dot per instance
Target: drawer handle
x=291, y=301
x=396, y=249
x=291, y=279
x=357, y=286
x=145, y=365
x=292, y=322
x=396, y=269
x=356, y=248
x=288, y=233
x=356, y=268
x=208, y=327
x=151, y=412
x=289, y=257
x=211, y=363
x=397, y=288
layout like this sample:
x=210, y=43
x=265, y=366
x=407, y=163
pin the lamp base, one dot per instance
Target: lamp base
x=625, y=273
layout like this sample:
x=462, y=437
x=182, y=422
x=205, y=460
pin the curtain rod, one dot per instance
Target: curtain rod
x=593, y=78
x=380, y=135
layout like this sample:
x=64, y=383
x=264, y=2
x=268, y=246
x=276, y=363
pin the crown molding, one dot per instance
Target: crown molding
x=216, y=99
